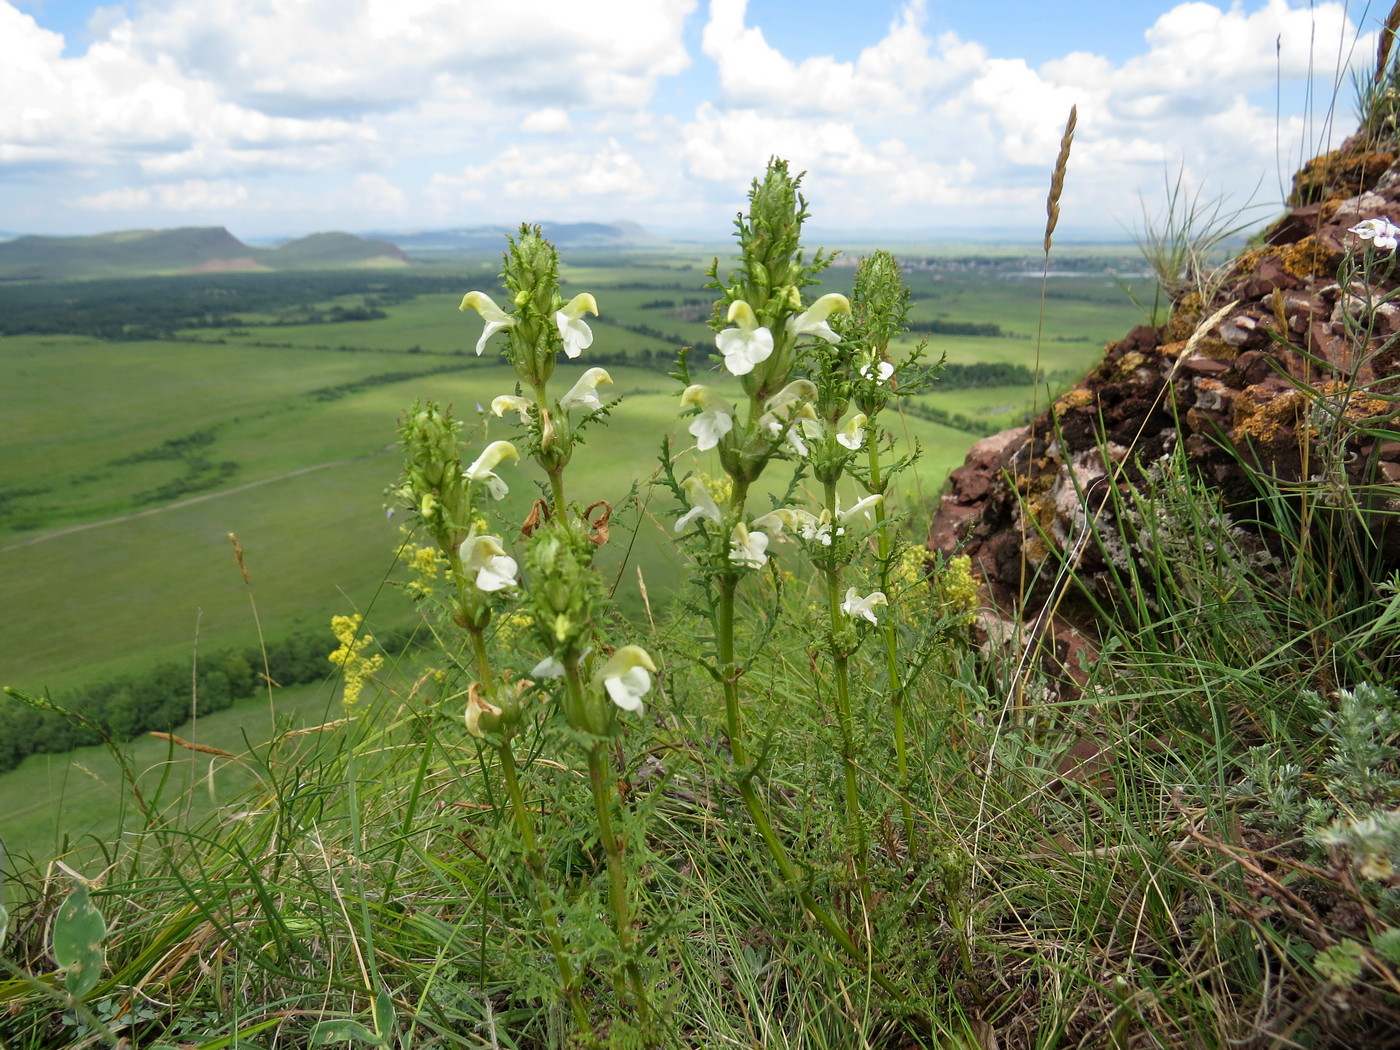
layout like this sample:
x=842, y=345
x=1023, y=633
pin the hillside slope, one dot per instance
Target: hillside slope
x=134, y=253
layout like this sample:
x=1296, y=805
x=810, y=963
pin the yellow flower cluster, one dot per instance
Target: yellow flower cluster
x=957, y=590
x=513, y=628
x=425, y=563
x=350, y=656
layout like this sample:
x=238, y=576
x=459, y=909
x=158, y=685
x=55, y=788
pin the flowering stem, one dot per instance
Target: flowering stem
x=526, y=828
x=601, y=780
x=733, y=714
x=840, y=659
x=894, y=686
x=553, y=469
x=758, y=811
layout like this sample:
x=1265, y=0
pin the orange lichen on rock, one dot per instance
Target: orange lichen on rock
x=1261, y=411
x=1337, y=175
x=1356, y=407
x=1307, y=258
x=1079, y=397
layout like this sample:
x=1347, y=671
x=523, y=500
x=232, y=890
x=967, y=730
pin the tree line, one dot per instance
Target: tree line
x=132, y=308
x=160, y=698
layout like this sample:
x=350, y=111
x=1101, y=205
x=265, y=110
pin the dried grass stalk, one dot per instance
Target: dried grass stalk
x=1057, y=180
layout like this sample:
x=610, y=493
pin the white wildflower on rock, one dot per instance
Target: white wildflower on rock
x=1380, y=231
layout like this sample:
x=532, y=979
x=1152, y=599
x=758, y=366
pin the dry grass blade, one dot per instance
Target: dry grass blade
x=203, y=749
x=1057, y=180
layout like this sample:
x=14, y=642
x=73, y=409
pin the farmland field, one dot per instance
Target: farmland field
x=128, y=461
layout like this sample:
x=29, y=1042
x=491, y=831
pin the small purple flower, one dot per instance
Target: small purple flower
x=1382, y=232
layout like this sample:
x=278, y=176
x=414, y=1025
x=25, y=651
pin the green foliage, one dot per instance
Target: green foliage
x=78, y=935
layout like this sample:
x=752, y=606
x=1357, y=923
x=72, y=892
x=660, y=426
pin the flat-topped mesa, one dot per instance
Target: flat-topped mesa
x=1238, y=386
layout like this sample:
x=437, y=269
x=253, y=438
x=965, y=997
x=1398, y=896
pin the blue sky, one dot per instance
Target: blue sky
x=911, y=117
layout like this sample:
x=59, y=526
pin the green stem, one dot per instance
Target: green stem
x=601, y=780
x=553, y=470
x=729, y=670
x=758, y=812
x=526, y=827
x=791, y=877
x=855, y=829
x=894, y=686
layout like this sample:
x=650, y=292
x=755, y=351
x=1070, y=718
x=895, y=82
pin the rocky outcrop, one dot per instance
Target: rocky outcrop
x=1243, y=373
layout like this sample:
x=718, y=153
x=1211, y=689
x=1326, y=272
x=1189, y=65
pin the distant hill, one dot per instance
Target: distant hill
x=476, y=239
x=201, y=249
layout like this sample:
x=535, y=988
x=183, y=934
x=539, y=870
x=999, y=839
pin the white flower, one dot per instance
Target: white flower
x=804, y=424
x=512, y=403
x=625, y=677
x=584, y=393
x=784, y=400
x=852, y=435
x=855, y=605
x=496, y=319
x=747, y=344
x=776, y=520
x=716, y=416
x=1382, y=232
x=495, y=569
x=861, y=507
x=747, y=548
x=702, y=504
x=804, y=523
x=878, y=371
x=788, y=413
x=551, y=667
x=480, y=470
x=577, y=336
x=812, y=321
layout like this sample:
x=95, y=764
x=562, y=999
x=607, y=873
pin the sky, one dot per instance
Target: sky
x=278, y=118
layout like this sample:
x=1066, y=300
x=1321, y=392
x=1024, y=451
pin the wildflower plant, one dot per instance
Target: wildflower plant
x=551, y=585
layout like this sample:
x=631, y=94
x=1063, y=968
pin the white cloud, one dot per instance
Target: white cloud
x=546, y=121
x=192, y=195
x=365, y=56
x=539, y=173
x=549, y=108
x=112, y=105
x=376, y=194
